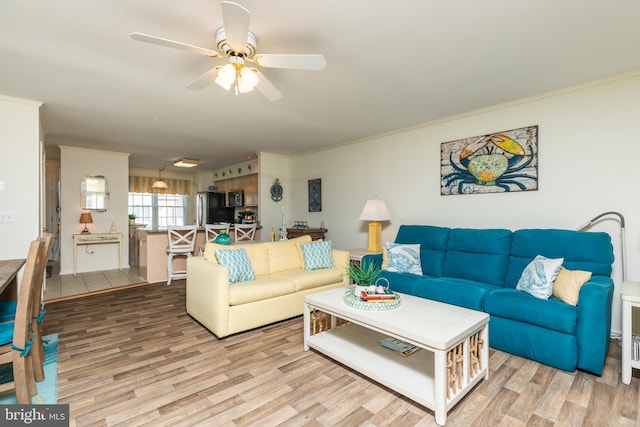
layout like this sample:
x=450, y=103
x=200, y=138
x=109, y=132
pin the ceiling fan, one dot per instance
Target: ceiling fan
x=238, y=45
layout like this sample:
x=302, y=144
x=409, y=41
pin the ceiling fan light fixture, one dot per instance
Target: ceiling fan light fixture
x=238, y=44
x=226, y=76
x=247, y=80
x=223, y=84
x=249, y=77
x=242, y=88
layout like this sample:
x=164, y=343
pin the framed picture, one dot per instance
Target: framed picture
x=315, y=195
x=499, y=162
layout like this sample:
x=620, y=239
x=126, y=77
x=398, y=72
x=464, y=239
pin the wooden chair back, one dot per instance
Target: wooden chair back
x=18, y=352
x=37, y=308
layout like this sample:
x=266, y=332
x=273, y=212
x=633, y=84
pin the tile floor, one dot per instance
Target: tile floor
x=59, y=286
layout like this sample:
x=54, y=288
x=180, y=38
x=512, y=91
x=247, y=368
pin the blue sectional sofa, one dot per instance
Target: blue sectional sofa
x=479, y=269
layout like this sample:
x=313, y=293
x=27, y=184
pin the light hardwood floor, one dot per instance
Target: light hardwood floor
x=134, y=357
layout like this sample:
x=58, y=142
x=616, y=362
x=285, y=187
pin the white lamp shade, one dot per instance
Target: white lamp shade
x=227, y=73
x=249, y=76
x=226, y=76
x=375, y=210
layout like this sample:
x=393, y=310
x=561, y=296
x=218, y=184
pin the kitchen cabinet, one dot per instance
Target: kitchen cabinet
x=251, y=190
x=247, y=183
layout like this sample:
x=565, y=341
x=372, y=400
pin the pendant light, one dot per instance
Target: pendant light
x=160, y=184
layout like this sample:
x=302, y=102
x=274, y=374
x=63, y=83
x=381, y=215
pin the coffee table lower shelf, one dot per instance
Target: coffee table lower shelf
x=435, y=378
x=358, y=347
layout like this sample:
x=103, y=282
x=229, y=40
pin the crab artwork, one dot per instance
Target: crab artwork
x=497, y=162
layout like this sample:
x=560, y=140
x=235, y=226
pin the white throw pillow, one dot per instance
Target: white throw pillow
x=538, y=276
x=403, y=258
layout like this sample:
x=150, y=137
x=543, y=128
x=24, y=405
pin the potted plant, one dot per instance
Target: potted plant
x=364, y=275
x=132, y=218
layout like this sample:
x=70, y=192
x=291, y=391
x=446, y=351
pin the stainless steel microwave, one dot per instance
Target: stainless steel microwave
x=236, y=198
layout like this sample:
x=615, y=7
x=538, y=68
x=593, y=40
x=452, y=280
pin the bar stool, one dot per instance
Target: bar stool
x=182, y=241
x=244, y=231
x=211, y=231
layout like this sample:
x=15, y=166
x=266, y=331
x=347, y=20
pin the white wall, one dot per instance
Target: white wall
x=274, y=166
x=588, y=154
x=74, y=164
x=19, y=174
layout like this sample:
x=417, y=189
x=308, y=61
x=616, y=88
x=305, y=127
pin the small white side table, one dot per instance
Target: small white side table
x=630, y=295
x=95, y=239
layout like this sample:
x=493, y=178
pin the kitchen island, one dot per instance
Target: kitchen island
x=153, y=253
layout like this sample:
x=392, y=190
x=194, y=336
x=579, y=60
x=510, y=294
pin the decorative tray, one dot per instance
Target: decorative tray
x=355, y=301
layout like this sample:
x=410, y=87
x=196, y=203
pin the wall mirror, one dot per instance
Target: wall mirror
x=94, y=193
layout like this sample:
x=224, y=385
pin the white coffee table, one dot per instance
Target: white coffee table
x=454, y=352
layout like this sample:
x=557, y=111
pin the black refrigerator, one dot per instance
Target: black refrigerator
x=210, y=208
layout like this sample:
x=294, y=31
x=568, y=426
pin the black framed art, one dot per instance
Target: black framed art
x=315, y=195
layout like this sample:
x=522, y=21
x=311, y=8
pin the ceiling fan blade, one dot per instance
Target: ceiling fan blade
x=204, y=80
x=174, y=44
x=236, y=24
x=296, y=62
x=267, y=88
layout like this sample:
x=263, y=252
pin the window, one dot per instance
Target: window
x=158, y=210
x=171, y=209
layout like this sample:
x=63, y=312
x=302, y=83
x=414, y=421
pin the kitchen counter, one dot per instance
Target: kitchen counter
x=164, y=231
x=153, y=253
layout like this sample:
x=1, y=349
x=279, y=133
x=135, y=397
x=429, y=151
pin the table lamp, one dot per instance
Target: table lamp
x=85, y=218
x=375, y=210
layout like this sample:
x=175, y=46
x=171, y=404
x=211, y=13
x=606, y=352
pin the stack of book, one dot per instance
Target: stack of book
x=400, y=347
x=373, y=297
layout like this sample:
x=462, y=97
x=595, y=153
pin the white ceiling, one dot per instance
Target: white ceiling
x=390, y=65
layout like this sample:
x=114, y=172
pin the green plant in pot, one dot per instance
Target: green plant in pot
x=132, y=218
x=364, y=275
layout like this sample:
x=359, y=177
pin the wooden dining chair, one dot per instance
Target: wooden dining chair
x=16, y=338
x=8, y=308
x=245, y=232
x=37, y=309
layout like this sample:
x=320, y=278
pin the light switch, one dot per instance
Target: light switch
x=6, y=216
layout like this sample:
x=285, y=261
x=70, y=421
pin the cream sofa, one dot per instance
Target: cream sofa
x=276, y=294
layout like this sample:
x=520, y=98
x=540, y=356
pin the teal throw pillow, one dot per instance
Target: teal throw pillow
x=317, y=255
x=404, y=258
x=237, y=261
x=538, y=276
